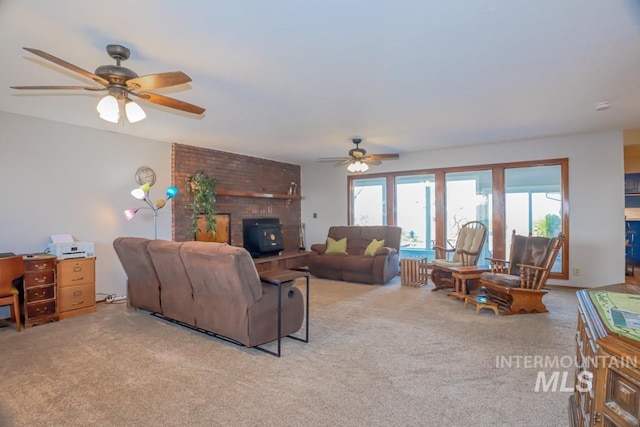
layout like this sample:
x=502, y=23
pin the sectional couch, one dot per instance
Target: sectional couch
x=210, y=286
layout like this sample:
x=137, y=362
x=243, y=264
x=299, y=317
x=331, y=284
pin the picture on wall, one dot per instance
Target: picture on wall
x=222, y=233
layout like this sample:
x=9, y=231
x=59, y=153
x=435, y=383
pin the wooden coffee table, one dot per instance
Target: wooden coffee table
x=465, y=279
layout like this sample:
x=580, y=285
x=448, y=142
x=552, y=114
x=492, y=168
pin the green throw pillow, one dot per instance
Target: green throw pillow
x=373, y=247
x=336, y=246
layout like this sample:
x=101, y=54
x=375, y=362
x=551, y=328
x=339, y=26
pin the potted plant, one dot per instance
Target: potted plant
x=203, y=189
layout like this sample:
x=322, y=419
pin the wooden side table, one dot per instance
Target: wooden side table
x=465, y=278
x=481, y=301
x=279, y=277
x=414, y=272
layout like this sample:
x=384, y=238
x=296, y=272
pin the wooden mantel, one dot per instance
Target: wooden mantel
x=254, y=194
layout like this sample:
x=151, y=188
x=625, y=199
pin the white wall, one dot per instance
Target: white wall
x=58, y=178
x=596, y=195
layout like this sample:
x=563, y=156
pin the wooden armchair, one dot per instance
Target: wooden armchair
x=469, y=244
x=516, y=285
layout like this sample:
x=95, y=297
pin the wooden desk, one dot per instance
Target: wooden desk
x=466, y=278
x=284, y=261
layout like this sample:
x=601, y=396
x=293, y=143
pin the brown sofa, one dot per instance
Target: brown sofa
x=210, y=286
x=355, y=266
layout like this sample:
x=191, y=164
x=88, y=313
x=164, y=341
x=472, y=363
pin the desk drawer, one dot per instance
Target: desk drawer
x=41, y=309
x=40, y=293
x=40, y=264
x=74, y=297
x=76, y=272
x=39, y=278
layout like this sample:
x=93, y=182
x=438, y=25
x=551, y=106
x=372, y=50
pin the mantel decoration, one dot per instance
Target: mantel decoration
x=142, y=193
x=203, y=189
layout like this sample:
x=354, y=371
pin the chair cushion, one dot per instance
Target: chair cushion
x=336, y=246
x=445, y=263
x=469, y=239
x=537, y=251
x=373, y=247
x=507, y=280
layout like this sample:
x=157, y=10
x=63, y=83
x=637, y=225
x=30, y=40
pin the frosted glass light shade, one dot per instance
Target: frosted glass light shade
x=134, y=112
x=139, y=194
x=357, y=167
x=108, y=109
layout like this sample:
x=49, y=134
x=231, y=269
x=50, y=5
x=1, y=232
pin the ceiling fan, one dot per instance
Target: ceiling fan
x=358, y=159
x=120, y=82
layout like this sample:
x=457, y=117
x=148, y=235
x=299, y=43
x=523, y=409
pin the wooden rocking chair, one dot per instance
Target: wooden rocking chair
x=516, y=285
x=468, y=247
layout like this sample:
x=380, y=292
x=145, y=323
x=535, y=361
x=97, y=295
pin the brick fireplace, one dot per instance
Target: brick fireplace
x=244, y=185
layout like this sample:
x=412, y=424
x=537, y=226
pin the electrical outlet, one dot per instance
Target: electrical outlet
x=576, y=271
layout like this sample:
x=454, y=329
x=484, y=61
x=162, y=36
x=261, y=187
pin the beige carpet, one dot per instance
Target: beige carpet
x=379, y=356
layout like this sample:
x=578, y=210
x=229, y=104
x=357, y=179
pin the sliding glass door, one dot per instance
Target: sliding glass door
x=469, y=198
x=533, y=203
x=415, y=213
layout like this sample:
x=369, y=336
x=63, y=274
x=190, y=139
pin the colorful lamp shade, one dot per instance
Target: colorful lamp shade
x=142, y=193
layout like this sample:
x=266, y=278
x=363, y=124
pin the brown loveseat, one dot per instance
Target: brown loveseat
x=355, y=266
x=210, y=286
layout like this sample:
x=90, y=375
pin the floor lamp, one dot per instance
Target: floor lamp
x=142, y=193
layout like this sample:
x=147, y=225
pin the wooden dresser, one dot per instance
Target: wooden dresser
x=39, y=290
x=76, y=287
x=614, y=360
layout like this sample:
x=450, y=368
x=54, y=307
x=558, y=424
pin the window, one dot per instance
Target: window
x=415, y=213
x=369, y=202
x=468, y=198
x=533, y=204
x=431, y=205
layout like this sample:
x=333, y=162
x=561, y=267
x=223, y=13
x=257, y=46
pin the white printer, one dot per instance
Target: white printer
x=65, y=250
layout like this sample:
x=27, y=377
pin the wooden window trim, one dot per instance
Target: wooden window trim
x=498, y=200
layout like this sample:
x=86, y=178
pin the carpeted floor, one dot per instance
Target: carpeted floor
x=379, y=356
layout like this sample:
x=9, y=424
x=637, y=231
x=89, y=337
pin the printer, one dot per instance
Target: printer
x=66, y=250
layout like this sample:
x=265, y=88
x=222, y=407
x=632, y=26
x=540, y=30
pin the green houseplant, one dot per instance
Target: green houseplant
x=203, y=189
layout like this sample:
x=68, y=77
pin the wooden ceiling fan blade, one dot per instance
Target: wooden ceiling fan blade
x=157, y=81
x=169, y=102
x=342, y=163
x=334, y=159
x=394, y=156
x=60, y=88
x=371, y=160
x=67, y=65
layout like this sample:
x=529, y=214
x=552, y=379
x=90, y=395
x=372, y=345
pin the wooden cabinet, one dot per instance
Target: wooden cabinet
x=76, y=287
x=613, y=397
x=38, y=294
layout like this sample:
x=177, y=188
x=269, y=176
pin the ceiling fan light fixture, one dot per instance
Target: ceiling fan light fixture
x=357, y=167
x=134, y=112
x=108, y=109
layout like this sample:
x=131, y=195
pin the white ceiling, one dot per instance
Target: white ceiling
x=294, y=80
